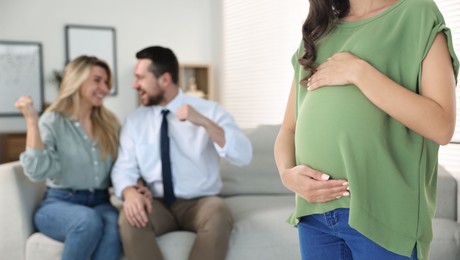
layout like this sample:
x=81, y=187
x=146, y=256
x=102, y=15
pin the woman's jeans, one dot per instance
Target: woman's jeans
x=328, y=236
x=84, y=220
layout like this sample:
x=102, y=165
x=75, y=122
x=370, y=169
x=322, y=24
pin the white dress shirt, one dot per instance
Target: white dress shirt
x=194, y=156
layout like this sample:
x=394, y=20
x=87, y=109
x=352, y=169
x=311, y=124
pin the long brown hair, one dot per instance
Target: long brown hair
x=105, y=124
x=322, y=17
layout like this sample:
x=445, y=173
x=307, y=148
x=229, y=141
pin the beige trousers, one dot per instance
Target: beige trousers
x=209, y=217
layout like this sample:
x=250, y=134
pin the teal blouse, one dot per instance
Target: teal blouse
x=70, y=159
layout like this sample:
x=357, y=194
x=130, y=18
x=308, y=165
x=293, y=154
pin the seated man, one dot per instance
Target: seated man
x=174, y=142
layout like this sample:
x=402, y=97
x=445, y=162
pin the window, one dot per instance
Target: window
x=259, y=39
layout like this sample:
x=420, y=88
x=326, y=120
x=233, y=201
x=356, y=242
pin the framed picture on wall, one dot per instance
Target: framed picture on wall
x=96, y=41
x=21, y=74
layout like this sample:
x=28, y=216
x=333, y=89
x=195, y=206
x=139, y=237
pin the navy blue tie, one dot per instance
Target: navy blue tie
x=168, y=189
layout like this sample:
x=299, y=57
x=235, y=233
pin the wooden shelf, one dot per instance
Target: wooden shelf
x=202, y=75
x=11, y=146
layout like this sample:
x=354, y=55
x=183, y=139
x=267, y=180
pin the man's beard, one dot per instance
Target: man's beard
x=153, y=101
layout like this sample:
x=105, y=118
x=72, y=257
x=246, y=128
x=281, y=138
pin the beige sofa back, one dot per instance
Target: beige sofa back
x=261, y=175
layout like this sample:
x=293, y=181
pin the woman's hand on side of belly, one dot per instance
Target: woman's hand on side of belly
x=314, y=186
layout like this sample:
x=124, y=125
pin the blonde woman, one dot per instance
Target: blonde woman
x=73, y=147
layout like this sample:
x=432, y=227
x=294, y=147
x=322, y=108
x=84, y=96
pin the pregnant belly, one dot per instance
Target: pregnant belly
x=335, y=124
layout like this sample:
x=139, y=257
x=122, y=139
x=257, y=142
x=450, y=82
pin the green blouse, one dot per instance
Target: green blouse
x=392, y=171
x=70, y=159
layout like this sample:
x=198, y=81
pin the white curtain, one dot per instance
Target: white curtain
x=259, y=38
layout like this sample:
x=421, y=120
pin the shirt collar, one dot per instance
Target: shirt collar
x=173, y=105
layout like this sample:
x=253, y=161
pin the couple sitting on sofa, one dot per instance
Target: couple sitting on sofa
x=74, y=145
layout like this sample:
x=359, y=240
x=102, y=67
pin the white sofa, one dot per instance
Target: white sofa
x=255, y=195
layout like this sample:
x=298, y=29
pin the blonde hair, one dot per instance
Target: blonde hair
x=105, y=124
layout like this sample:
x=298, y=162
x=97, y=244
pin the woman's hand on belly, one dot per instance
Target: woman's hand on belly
x=312, y=185
x=338, y=70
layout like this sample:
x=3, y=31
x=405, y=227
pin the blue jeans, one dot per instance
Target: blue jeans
x=84, y=220
x=328, y=236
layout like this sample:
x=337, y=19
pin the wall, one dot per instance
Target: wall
x=188, y=27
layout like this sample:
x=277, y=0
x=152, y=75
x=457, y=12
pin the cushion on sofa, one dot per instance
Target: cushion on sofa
x=260, y=230
x=175, y=245
x=446, y=245
x=42, y=247
x=261, y=175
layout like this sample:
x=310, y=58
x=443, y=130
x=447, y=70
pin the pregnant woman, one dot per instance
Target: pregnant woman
x=372, y=99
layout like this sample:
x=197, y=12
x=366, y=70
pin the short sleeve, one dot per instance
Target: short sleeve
x=434, y=17
x=450, y=44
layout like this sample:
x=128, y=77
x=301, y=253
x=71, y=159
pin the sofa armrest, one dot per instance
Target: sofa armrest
x=448, y=196
x=19, y=197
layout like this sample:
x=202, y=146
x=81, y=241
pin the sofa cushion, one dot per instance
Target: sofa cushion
x=42, y=247
x=177, y=244
x=261, y=175
x=260, y=230
x=174, y=245
x=446, y=239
